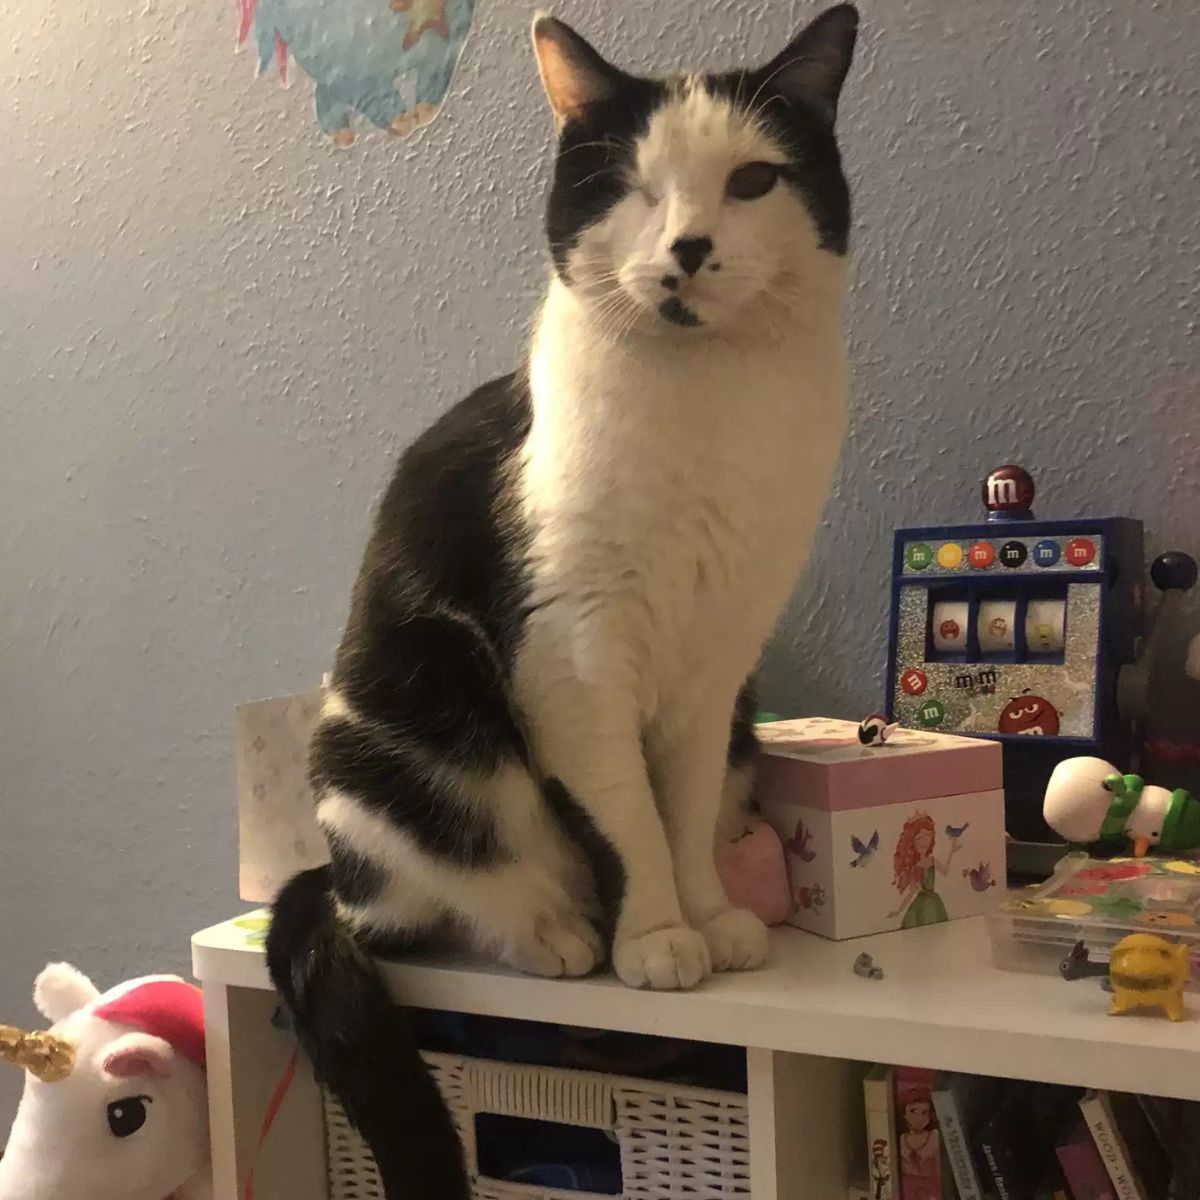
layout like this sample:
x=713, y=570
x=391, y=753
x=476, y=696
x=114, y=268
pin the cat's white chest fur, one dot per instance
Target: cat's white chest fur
x=673, y=487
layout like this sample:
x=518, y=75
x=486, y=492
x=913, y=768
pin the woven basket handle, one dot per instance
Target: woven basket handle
x=540, y=1094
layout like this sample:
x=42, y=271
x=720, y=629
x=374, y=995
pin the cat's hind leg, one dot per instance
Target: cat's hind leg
x=423, y=847
x=521, y=909
x=422, y=773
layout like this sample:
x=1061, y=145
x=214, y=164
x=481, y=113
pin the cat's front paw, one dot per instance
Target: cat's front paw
x=664, y=960
x=737, y=940
x=561, y=944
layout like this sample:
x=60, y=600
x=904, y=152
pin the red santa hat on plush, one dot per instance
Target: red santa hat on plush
x=163, y=1007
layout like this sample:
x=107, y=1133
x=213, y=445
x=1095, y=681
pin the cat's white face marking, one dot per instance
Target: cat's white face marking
x=683, y=249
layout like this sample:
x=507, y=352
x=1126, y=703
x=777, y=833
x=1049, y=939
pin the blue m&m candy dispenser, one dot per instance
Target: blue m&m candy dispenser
x=1016, y=629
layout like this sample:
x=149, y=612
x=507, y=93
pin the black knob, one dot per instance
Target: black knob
x=1174, y=571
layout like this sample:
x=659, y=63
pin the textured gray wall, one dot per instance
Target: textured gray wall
x=215, y=332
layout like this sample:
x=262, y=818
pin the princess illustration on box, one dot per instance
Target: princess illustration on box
x=916, y=871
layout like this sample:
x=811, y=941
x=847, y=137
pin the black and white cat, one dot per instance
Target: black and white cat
x=527, y=737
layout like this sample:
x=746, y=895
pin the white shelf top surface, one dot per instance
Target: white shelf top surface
x=942, y=1004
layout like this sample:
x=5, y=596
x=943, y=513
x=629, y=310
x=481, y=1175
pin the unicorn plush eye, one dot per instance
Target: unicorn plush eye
x=127, y=1116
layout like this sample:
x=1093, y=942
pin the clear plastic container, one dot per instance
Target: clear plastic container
x=1098, y=902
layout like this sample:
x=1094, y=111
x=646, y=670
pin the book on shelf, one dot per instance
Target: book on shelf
x=996, y=1143
x=1137, y=1164
x=1015, y=1144
x=1053, y=1185
x=1082, y=1165
x=960, y=1103
x=951, y=1136
x=918, y=1139
x=879, y=1100
x=1176, y=1124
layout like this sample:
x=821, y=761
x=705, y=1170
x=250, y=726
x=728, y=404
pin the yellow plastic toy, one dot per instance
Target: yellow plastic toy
x=1148, y=972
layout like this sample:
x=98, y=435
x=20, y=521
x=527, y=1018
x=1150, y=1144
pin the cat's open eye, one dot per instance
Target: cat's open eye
x=751, y=180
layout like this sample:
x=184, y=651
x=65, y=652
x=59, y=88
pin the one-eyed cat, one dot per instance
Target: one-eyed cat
x=539, y=706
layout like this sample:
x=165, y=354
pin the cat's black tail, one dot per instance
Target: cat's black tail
x=361, y=1044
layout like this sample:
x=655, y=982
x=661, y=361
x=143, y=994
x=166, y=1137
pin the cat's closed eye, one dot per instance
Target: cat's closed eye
x=751, y=180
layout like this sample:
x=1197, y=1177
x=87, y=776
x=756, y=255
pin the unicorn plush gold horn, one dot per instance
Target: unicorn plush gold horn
x=43, y=1055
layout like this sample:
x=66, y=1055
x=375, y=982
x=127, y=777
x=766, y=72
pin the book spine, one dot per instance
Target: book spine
x=996, y=1168
x=881, y=1135
x=954, y=1140
x=918, y=1151
x=1084, y=1169
x=1098, y=1114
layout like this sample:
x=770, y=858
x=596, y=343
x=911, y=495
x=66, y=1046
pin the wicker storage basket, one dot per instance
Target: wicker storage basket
x=675, y=1142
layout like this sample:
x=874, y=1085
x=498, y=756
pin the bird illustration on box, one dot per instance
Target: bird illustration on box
x=981, y=877
x=800, y=843
x=954, y=832
x=387, y=61
x=865, y=851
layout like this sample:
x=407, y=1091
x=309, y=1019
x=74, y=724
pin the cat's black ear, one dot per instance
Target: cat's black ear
x=573, y=73
x=813, y=67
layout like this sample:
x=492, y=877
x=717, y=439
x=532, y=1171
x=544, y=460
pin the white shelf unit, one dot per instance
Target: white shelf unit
x=810, y=1026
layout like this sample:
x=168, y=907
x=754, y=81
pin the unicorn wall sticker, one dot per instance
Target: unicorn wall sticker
x=386, y=62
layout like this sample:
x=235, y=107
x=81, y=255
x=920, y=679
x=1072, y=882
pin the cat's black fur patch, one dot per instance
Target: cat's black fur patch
x=814, y=170
x=440, y=597
x=743, y=742
x=356, y=880
x=397, y=944
x=678, y=313
x=595, y=156
x=384, y=778
x=608, y=871
x=431, y=677
x=795, y=98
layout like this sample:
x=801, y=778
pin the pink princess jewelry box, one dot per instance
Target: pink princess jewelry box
x=883, y=837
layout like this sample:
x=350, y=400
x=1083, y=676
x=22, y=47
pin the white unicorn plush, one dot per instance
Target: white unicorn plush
x=115, y=1102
